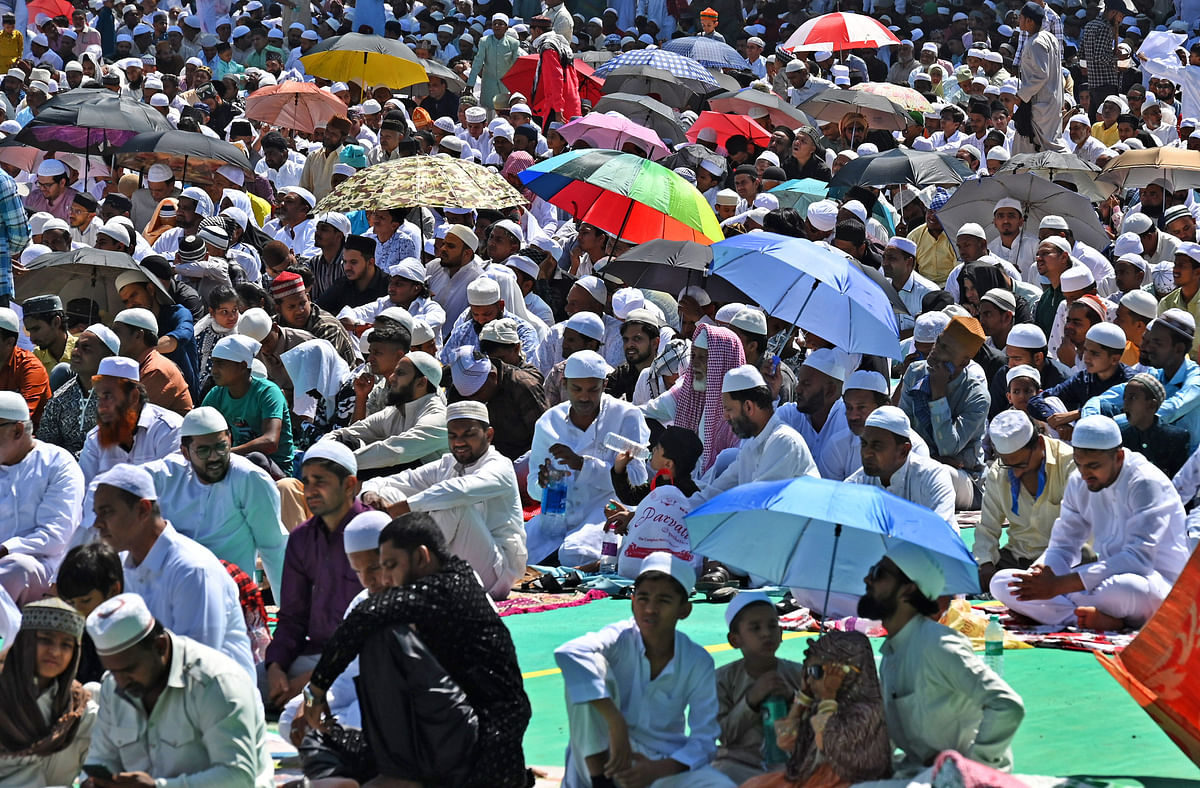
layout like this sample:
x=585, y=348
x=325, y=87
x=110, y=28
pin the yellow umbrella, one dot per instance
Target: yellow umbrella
x=370, y=60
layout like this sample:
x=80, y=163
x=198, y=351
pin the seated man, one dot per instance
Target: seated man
x=1134, y=520
x=571, y=436
x=405, y=650
x=137, y=329
x=254, y=407
x=484, y=306
x=128, y=427
x=220, y=499
x=179, y=579
x=1023, y=488
x=208, y=726
x=472, y=494
x=948, y=406
x=176, y=330
x=513, y=395
x=818, y=413
x=863, y=392
x=20, y=369
x=888, y=461
x=937, y=694
x=632, y=686
x=71, y=412
x=44, y=489
x=411, y=429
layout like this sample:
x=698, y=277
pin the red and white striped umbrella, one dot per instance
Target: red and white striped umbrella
x=838, y=31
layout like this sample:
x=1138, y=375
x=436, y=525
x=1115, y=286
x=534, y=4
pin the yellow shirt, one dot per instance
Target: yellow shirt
x=12, y=46
x=1174, y=300
x=49, y=361
x=1108, y=136
x=935, y=256
x=1029, y=527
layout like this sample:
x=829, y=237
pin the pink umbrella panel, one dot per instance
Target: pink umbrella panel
x=613, y=132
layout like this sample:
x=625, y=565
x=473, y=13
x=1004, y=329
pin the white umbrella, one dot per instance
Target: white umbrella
x=839, y=31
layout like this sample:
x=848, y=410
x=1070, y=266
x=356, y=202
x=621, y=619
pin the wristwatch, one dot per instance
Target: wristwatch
x=310, y=698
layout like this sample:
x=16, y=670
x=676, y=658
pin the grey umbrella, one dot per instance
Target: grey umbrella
x=1062, y=167
x=645, y=111
x=650, y=81
x=82, y=273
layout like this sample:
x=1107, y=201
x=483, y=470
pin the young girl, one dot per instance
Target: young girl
x=220, y=321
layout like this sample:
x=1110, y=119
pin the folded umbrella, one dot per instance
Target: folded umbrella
x=435, y=181
x=655, y=83
x=613, y=131
x=901, y=165
x=644, y=111
x=371, y=60
x=810, y=286
x=752, y=101
x=300, y=106
x=1062, y=167
x=839, y=31
x=708, y=52
x=976, y=200
x=727, y=126
x=832, y=105
x=624, y=195
x=194, y=158
x=823, y=535
x=670, y=266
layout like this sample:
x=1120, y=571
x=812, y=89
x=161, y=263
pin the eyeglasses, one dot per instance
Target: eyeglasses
x=215, y=450
x=45, y=184
x=1017, y=466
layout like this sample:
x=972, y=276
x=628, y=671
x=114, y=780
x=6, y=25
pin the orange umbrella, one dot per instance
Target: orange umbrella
x=301, y=106
x=727, y=126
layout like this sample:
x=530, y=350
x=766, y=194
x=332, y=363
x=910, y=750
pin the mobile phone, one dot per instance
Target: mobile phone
x=775, y=363
x=97, y=770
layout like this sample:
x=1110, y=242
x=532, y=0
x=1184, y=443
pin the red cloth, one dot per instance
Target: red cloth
x=555, y=87
x=26, y=375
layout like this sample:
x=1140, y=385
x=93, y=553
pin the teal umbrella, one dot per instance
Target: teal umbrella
x=799, y=193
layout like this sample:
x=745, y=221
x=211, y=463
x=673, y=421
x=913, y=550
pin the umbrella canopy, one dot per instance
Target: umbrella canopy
x=810, y=286
x=435, y=181
x=901, y=165
x=625, y=196
x=50, y=8
x=691, y=156
x=670, y=266
x=82, y=273
x=727, y=126
x=1138, y=168
x=522, y=75
x=839, y=31
x=903, y=95
x=751, y=101
x=454, y=82
x=1038, y=197
x=799, y=193
x=1060, y=167
x=644, y=111
x=832, y=105
x=193, y=158
x=682, y=67
x=301, y=106
x=654, y=83
x=20, y=155
x=823, y=535
x=613, y=131
x=94, y=121
x=372, y=60
x=708, y=52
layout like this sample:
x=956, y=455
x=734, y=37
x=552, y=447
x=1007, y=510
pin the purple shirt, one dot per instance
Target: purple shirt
x=318, y=585
x=60, y=208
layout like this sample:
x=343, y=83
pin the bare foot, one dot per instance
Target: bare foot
x=1018, y=620
x=1093, y=619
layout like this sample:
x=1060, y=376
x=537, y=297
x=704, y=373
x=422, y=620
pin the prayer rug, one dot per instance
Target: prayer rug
x=531, y=602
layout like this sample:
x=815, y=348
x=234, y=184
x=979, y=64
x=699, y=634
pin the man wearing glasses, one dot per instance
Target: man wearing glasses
x=220, y=499
x=53, y=194
x=1025, y=488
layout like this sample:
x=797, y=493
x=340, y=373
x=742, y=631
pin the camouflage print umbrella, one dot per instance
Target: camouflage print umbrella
x=434, y=181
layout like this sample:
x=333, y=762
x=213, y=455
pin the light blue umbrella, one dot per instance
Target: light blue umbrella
x=799, y=193
x=708, y=52
x=811, y=286
x=823, y=535
x=681, y=66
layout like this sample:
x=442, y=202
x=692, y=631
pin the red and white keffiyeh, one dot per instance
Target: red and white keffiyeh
x=724, y=353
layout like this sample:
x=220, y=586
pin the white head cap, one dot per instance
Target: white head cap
x=362, y=532
x=1011, y=430
x=1107, y=335
x=587, y=323
x=1096, y=432
x=119, y=623
x=664, y=561
x=119, y=367
x=866, y=380
x=133, y=479
x=929, y=326
x=469, y=370
x=468, y=409
x=890, y=418
x=1075, y=278
x=337, y=453
x=13, y=406
x=1027, y=336
x=238, y=348
x=1141, y=303
x=203, y=421
x=586, y=364
x=829, y=361
x=1023, y=371
x=138, y=318
x=744, y=598
x=255, y=323
x=483, y=291
x=742, y=378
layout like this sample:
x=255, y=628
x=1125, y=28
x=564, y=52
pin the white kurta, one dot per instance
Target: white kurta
x=236, y=518
x=478, y=508
x=399, y=435
x=778, y=452
x=40, y=501
x=156, y=436
x=921, y=480
x=820, y=443
x=590, y=489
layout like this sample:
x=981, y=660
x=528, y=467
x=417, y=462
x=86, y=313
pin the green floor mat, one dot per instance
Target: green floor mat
x=1078, y=720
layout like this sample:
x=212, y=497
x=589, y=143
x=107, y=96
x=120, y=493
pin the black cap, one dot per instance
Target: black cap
x=157, y=265
x=118, y=202
x=41, y=305
x=362, y=244
x=87, y=201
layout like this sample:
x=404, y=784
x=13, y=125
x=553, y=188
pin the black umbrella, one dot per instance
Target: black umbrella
x=192, y=157
x=901, y=165
x=82, y=273
x=645, y=111
x=670, y=266
x=691, y=156
x=89, y=121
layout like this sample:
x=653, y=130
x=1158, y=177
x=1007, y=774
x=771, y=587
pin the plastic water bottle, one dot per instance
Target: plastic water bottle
x=554, y=502
x=608, y=551
x=620, y=443
x=993, y=645
x=774, y=709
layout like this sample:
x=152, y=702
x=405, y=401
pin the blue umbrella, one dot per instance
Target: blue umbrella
x=799, y=193
x=679, y=65
x=811, y=286
x=708, y=52
x=823, y=535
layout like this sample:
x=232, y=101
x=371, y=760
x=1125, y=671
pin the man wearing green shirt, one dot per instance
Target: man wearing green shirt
x=254, y=408
x=496, y=55
x=1053, y=258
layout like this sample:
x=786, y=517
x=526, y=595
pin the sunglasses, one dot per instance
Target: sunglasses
x=817, y=672
x=878, y=571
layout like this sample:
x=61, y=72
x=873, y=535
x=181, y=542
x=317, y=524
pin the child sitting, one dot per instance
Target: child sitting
x=89, y=574
x=628, y=686
x=742, y=686
x=672, y=460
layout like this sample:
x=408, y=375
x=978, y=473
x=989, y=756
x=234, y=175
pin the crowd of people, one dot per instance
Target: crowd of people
x=353, y=417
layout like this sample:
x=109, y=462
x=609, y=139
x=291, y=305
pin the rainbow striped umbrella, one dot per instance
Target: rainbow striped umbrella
x=624, y=195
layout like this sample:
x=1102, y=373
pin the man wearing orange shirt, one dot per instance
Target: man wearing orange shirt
x=165, y=387
x=20, y=369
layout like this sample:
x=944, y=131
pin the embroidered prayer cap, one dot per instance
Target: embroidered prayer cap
x=1011, y=430
x=52, y=615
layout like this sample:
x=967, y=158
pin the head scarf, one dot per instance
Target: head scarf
x=855, y=741
x=204, y=204
x=23, y=729
x=514, y=299
x=156, y=226
x=317, y=373
x=695, y=407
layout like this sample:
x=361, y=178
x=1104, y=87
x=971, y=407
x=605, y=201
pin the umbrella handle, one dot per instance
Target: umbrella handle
x=837, y=535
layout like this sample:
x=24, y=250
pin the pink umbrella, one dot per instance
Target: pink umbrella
x=602, y=130
x=301, y=106
x=839, y=31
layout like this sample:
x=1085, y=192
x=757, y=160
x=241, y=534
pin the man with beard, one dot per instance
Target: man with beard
x=71, y=412
x=45, y=490
x=889, y=462
x=138, y=331
x=220, y=499
x=318, y=168
x=818, y=412
x=937, y=694
x=360, y=280
x=640, y=336
x=486, y=305
x=449, y=275
x=181, y=581
x=129, y=429
x=296, y=310
x=864, y=391
x=472, y=494
x=186, y=686
x=254, y=407
x=411, y=429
